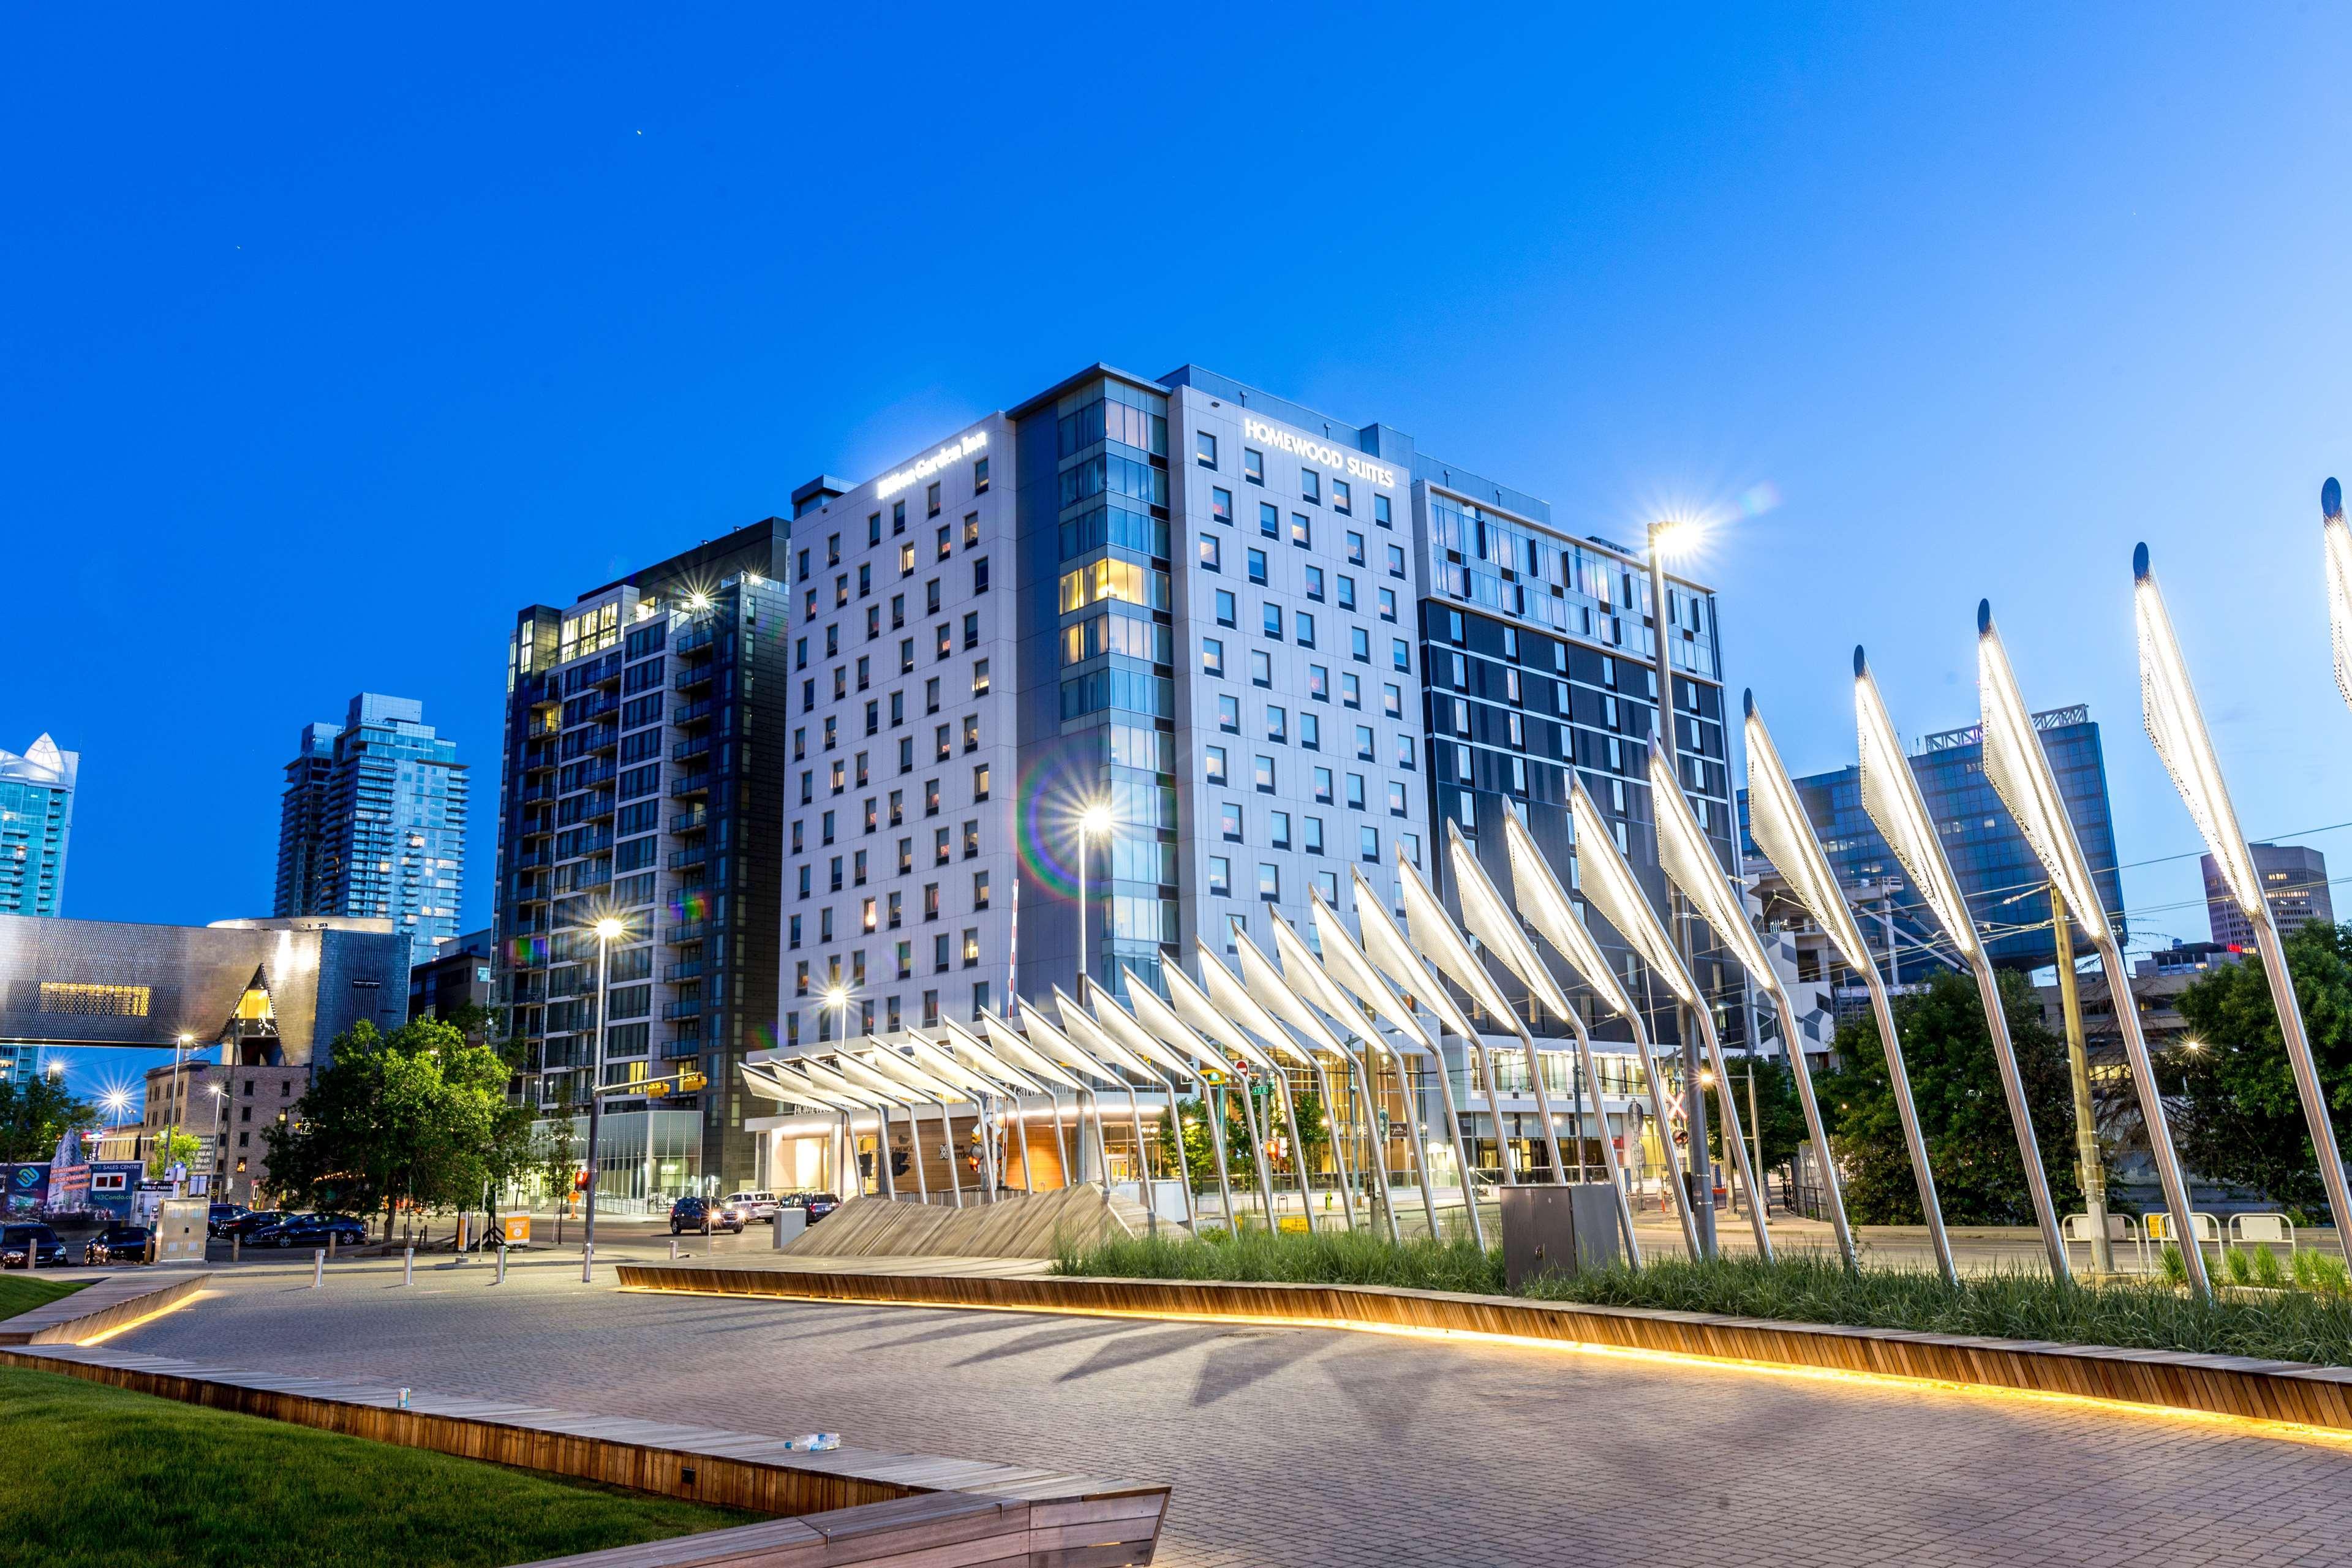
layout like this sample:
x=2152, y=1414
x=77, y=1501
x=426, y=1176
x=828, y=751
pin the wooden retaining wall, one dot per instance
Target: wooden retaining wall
x=2240, y=1386
x=847, y=1506
x=99, y=1308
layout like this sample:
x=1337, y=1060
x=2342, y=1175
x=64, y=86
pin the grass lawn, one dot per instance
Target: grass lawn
x=22, y=1292
x=2306, y=1325
x=99, y=1476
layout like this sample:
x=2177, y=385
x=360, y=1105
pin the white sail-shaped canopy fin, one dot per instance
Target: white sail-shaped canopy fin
x=1393, y=954
x=1437, y=939
x=1486, y=917
x=1271, y=992
x=1349, y=967
x=1689, y=863
x=2020, y=771
x=2177, y=727
x=1122, y=1025
x=1891, y=798
x=1041, y=1057
x=1233, y=1014
x=1090, y=1036
x=1610, y=887
x=1777, y=821
x=1303, y=972
x=1539, y=898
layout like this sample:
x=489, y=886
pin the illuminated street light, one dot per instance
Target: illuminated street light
x=1674, y=539
x=1689, y=863
x=1777, y=823
x=608, y=929
x=2336, y=540
x=2177, y=728
x=1094, y=822
x=2020, y=772
x=1890, y=795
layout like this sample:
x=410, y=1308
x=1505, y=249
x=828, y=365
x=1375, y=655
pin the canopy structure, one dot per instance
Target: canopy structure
x=1443, y=949
x=1229, y=999
x=1266, y=988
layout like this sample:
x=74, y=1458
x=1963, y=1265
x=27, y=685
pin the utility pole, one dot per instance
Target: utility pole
x=1700, y=1174
x=2078, y=1069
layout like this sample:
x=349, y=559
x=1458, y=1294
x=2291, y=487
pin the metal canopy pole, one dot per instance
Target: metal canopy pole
x=1814, y=1128
x=1591, y=1077
x=1378, y=1160
x=1734, y=1138
x=1213, y=1112
x=1461, y=1145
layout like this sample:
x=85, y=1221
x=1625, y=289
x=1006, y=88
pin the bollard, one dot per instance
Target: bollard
x=332, y=1237
x=587, y=1261
x=318, y=1268
x=673, y=1249
x=408, y=1266
x=502, y=1267
x=235, y=1244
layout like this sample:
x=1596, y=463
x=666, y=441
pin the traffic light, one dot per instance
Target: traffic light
x=689, y=1080
x=656, y=1086
x=580, y=1181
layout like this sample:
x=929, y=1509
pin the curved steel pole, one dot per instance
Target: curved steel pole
x=2151, y=1108
x=1213, y=1112
x=2306, y=1072
x=1655, y=1086
x=1733, y=1137
x=1543, y=1100
x=1061, y=1142
x=1831, y=1186
x=1258, y=1144
x=1183, y=1166
x=1495, y=1108
x=1021, y=1117
x=1378, y=1156
x=1461, y=1145
x=1592, y=1076
x=1332, y=1135
x=946, y=1144
x=2013, y=1089
x=1142, y=1162
x=1417, y=1140
x=1900, y=1077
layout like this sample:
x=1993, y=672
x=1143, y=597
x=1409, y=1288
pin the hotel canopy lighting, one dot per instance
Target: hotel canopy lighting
x=1890, y=795
x=2020, y=772
x=2175, y=726
x=1777, y=821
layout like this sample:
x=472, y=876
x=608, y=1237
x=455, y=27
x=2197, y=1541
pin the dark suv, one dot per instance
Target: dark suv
x=16, y=1240
x=700, y=1213
x=118, y=1244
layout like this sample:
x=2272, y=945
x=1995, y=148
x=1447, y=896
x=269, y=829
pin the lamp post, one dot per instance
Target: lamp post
x=117, y=1102
x=1093, y=822
x=172, y=1129
x=220, y=1161
x=1673, y=537
x=606, y=930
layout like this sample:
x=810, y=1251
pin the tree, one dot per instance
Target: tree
x=556, y=1159
x=1963, y=1114
x=35, y=1117
x=172, y=1147
x=2241, y=1119
x=1314, y=1130
x=1778, y=1112
x=418, y=1117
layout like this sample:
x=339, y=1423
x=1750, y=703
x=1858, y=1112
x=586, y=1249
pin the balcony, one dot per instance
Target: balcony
x=698, y=746
x=692, y=969
x=525, y=860
x=693, y=641
x=696, y=676
x=693, y=821
x=590, y=881
x=683, y=1047
x=680, y=935
x=691, y=1008
x=695, y=855
x=695, y=783
x=694, y=712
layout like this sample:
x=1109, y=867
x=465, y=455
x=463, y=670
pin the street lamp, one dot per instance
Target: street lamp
x=117, y=1102
x=1093, y=823
x=606, y=930
x=220, y=1161
x=1670, y=538
x=171, y=1129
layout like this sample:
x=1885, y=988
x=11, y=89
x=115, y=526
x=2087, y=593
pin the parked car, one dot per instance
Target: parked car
x=819, y=1205
x=691, y=1213
x=119, y=1244
x=221, y=1215
x=758, y=1206
x=16, y=1241
x=309, y=1230
x=246, y=1223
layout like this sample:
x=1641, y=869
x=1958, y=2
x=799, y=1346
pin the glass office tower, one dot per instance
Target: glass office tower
x=37, y=792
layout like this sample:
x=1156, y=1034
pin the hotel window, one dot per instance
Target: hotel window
x=979, y=476
x=1310, y=732
x=1369, y=843
x=979, y=889
x=1310, y=485
x=972, y=627
x=1351, y=692
x=980, y=677
x=1228, y=822
x=971, y=732
x=1396, y=562
x=1328, y=884
x=1313, y=841
x=1304, y=627
x=930, y=1009
x=939, y=950
x=931, y=499
x=1225, y=610
x=1257, y=567
x=1221, y=506
x=972, y=947
x=970, y=839
x=980, y=576
x=1213, y=657
x=1269, y=881
x=1359, y=645
x=833, y=549
x=1302, y=530
x=1278, y=830
x=1229, y=715
x=971, y=528
x=1314, y=583
x=840, y=592
x=898, y=518
x=866, y=915
x=905, y=953
x=906, y=754
x=930, y=900
x=979, y=781
x=946, y=542
x=1404, y=749
x=1277, y=723
x=931, y=695
x=1342, y=498
x=795, y=941
x=1204, y=449
x=1355, y=548
x=1212, y=553
x=1221, y=876
x=1270, y=620
x=1388, y=605
x=1355, y=792
x=1363, y=743
x=895, y=905
x=873, y=620
x=1261, y=668
x=897, y=807
x=1322, y=787
x=800, y=978
x=1401, y=654
x=1319, y=683
x=865, y=579
x=1264, y=775
x=905, y=656
x=946, y=638
x=943, y=742
x=906, y=560
x=941, y=853
x=840, y=776
x=1216, y=765
x=1269, y=520
x=1393, y=700
x=905, y=856
x=1253, y=465
x=1380, y=512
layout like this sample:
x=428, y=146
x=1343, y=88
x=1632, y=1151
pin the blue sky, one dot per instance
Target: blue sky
x=332, y=344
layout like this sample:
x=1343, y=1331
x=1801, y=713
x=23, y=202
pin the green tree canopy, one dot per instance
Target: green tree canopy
x=1963, y=1114
x=33, y=1117
x=419, y=1116
x=2241, y=1120
x=1778, y=1112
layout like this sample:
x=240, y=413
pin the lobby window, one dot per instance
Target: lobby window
x=1302, y=530
x=1342, y=498
x=1212, y=553
x=1213, y=657
x=1253, y=465
x=1355, y=548
x=1269, y=881
x=1221, y=876
x=1226, y=610
x=1269, y=520
x=1204, y=449
x=1310, y=485
x=1257, y=567
x=1221, y=506
x=1228, y=822
x=1216, y=765
x=979, y=476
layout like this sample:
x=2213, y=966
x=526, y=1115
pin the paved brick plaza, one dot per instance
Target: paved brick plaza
x=1309, y=1446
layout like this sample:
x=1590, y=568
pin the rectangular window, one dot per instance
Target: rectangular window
x=1319, y=683
x=932, y=499
x=1278, y=830
x=1216, y=765
x=1401, y=654
x=1356, y=792
x=1369, y=843
x=1277, y=723
x=972, y=629
x=1228, y=822
x=946, y=541
x=1270, y=620
x=1323, y=786
x=1221, y=506
x=1264, y=775
x=1303, y=625
x=1213, y=657
x=1253, y=465
x=1342, y=498
x=1314, y=583
x=971, y=732
x=971, y=528
x=1229, y=715
x=1262, y=668
x=1204, y=449
x=1221, y=876
x=1381, y=512
x=979, y=889
x=980, y=782
x=1226, y=610
x=1355, y=548
x=1363, y=743
x=1313, y=842
x=930, y=1009
x=1302, y=530
x=1269, y=881
x=1393, y=700
x=1310, y=485
x=1211, y=553
x=1310, y=731
x=1359, y=645
x=1257, y=567
x=1269, y=520
x=970, y=839
x=1396, y=560
x=979, y=577
x=1396, y=798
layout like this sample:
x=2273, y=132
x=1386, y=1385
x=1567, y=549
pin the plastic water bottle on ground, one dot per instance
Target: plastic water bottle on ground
x=815, y=1442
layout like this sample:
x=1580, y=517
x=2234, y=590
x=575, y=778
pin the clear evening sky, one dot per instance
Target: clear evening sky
x=329, y=345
